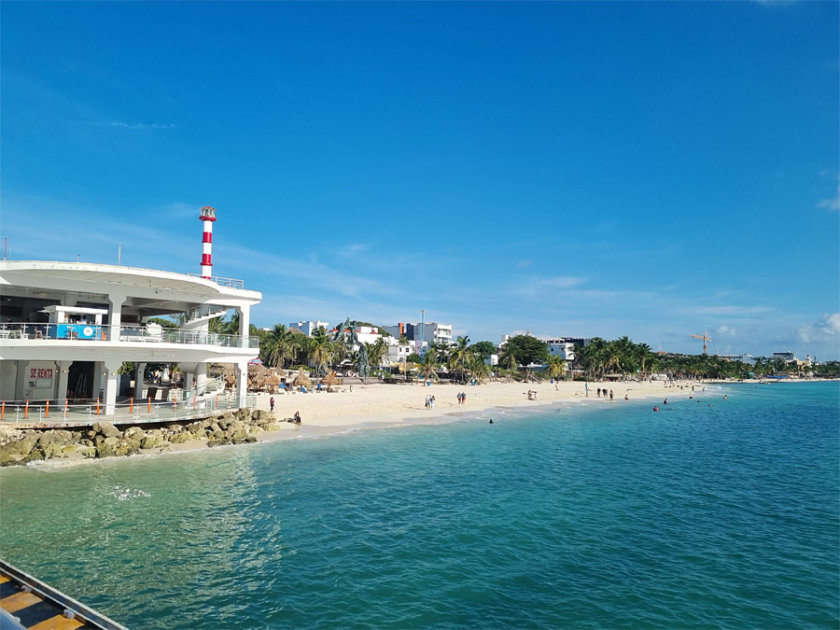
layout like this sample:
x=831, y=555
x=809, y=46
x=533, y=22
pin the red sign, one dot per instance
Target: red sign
x=40, y=373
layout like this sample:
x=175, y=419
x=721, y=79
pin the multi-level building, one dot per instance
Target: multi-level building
x=308, y=327
x=67, y=328
x=422, y=334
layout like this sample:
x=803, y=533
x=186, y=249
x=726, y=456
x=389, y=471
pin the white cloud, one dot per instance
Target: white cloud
x=827, y=330
x=133, y=126
x=539, y=287
x=726, y=331
x=830, y=204
x=728, y=310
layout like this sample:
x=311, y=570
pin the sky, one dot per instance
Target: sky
x=581, y=169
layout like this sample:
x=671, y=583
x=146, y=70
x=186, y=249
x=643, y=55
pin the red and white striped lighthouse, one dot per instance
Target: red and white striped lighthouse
x=208, y=217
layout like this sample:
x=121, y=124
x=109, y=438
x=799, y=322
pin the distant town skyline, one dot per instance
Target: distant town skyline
x=653, y=170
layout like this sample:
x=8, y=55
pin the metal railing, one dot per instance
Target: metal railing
x=210, y=386
x=230, y=283
x=127, y=334
x=136, y=412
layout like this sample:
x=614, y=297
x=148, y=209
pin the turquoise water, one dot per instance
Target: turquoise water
x=604, y=516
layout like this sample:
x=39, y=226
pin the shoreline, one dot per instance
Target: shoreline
x=383, y=406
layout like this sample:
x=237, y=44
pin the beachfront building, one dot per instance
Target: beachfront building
x=421, y=335
x=67, y=328
x=561, y=348
x=309, y=327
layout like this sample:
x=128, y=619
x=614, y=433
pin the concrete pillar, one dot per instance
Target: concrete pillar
x=189, y=382
x=111, y=379
x=62, y=371
x=244, y=326
x=98, y=379
x=201, y=377
x=138, y=381
x=241, y=381
x=115, y=315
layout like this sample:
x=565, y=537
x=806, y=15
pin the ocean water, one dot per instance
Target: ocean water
x=596, y=516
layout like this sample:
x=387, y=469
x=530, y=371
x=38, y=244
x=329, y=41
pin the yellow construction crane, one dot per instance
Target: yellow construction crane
x=705, y=338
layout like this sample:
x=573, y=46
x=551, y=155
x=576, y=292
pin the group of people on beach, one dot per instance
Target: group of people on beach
x=430, y=402
x=607, y=392
x=462, y=398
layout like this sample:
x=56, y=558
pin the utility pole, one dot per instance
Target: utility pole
x=422, y=332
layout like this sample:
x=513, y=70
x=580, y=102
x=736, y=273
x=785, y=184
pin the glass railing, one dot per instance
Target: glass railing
x=127, y=334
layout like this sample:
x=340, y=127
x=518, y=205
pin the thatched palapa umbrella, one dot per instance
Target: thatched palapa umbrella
x=272, y=381
x=329, y=380
x=302, y=380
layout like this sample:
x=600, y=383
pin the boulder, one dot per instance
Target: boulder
x=18, y=451
x=149, y=441
x=107, y=429
x=127, y=447
x=106, y=447
x=54, y=438
x=54, y=451
x=180, y=438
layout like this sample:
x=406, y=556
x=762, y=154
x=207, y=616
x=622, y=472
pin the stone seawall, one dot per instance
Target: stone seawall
x=103, y=439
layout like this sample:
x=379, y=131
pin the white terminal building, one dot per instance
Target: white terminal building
x=67, y=328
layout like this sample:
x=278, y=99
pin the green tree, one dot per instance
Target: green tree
x=556, y=366
x=459, y=358
x=320, y=350
x=528, y=349
x=484, y=349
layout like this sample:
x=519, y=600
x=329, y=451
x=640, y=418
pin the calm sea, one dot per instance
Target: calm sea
x=598, y=516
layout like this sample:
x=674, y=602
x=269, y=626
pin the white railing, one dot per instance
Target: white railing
x=127, y=333
x=231, y=283
x=139, y=412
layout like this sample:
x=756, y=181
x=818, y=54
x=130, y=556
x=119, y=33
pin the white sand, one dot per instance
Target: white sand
x=386, y=405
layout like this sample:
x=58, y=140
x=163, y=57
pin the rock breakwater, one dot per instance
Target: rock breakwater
x=103, y=439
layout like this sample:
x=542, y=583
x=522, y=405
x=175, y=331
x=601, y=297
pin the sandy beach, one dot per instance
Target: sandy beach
x=377, y=405
x=384, y=405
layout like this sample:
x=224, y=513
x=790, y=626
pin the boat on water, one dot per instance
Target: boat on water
x=27, y=603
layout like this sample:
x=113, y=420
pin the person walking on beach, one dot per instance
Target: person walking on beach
x=271, y=403
x=611, y=395
x=428, y=402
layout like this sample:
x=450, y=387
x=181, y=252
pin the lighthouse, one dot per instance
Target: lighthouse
x=208, y=217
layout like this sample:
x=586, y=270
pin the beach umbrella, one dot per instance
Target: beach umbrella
x=329, y=379
x=273, y=379
x=302, y=380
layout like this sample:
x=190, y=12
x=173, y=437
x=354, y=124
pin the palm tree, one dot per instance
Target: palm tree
x=644, y=353
x=479, y=370
x=320, y=351
x=428, y=368
x=507, y=359
x=278, y=346
x=460, y=356
x=556, y=366
x=376, y=351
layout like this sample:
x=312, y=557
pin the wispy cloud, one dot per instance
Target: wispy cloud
x=133, y=126
x=726, y=310
x=541, y=287
x=832, y=203
x=826, y=330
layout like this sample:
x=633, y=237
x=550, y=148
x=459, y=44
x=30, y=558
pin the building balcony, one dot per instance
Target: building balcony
x=127, y=334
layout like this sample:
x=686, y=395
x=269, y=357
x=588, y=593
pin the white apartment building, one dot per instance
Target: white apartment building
x=309, y=327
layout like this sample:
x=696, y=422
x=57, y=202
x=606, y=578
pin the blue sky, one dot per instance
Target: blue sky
x=647, y=169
